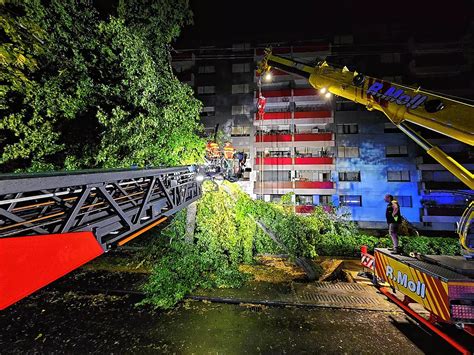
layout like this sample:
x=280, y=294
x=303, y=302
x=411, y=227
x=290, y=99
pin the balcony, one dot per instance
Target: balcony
x=296, y=163
x=313, y=160
x=300, y=117
x=296, y=160
x=442, y=213
x=276, y=98
x=274, y=161
x=444, y=210
x=299, y=187
x=297, y=137
x=443, y=185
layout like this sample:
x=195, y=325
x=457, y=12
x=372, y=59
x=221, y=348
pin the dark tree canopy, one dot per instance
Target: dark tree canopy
x=80, y=90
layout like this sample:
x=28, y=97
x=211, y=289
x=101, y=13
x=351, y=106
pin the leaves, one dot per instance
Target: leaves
x=226, y=236
x=94, y=92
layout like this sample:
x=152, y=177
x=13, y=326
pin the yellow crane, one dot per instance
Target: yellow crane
x=401, y=104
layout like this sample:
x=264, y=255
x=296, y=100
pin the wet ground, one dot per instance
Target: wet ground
x=75, y=316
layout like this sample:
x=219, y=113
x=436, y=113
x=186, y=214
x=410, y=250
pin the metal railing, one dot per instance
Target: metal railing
x=113, y=204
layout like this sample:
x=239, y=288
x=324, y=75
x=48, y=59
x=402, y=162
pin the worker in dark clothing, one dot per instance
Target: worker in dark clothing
x=394, y=219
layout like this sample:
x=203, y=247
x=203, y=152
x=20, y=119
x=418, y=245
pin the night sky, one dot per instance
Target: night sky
x=294, y=20
x=234, y=21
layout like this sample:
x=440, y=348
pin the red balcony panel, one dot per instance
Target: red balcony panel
x=273, y=161
x=313, y=160
x=311, y=137
x=274, y=185
x=276, y=93
x=304, y=209
x=273, y=138
x=305, y=92
x=277, y=115
x=314, y=185
x=298, y=115
x=313, y=114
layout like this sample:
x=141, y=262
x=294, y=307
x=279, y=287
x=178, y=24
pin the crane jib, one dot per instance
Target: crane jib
x=394, y=94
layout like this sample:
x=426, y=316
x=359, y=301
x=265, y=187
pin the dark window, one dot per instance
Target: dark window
x=347, y=152
x=304, y=199
x=351, y=128
x=208, y=111
x=402, y=175
x=390, y=128
x=349, y=176
x=396, y=151
x=346, y=106
x=325, y=200
x=206, y=90
x=207, y=69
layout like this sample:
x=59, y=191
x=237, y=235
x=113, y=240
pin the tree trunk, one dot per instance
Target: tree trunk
x=190, y=222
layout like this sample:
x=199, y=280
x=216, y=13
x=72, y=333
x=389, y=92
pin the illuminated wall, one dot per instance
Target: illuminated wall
x=373, y=165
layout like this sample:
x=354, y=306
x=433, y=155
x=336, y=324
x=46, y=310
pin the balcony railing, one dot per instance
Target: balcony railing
x=297, y=137
x=296, y=160
x=294, y=185
x=297, y=115
x=443, y=185
x=444, y=211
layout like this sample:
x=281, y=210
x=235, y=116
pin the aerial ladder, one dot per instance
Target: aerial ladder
x=444, y=285
x=51, y=224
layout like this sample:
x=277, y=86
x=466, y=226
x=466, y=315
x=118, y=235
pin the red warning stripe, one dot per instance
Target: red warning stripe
x=433, y=295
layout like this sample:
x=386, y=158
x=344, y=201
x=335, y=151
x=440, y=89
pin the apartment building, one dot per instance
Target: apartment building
x=329, y=151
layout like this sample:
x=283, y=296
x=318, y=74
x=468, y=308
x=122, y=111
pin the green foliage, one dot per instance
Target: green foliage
x=93, y=92
x=287, y=199
x=226, y=235
x=222, y=241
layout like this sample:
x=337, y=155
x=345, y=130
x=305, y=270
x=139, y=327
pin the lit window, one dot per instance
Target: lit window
x=240, y=131
x=350, y=200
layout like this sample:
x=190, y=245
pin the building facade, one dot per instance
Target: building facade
x=329, y=151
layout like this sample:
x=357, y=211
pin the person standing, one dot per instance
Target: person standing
x=394, y=219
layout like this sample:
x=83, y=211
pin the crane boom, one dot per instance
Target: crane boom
x=401, y=104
